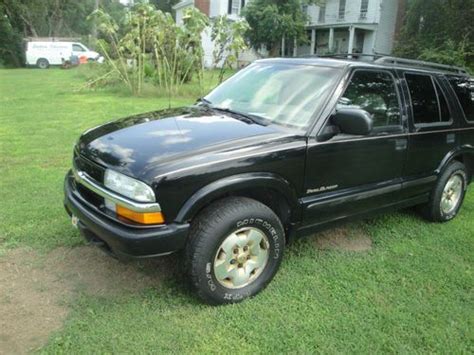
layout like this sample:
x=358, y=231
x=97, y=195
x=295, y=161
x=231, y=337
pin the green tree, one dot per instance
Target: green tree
x=438, y=30
x=45, y=18
x=271, y=20
x=229, y=41
x=164, y=5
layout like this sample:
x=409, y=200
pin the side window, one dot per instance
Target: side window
x=77, y=48
x=374, y=92
x=427, y=100
x=464, y=89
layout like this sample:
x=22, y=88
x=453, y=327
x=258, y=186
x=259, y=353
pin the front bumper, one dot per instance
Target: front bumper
x=118, y=238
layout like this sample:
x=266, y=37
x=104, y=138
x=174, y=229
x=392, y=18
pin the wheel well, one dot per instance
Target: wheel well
x=269, y=197
x=468, y=161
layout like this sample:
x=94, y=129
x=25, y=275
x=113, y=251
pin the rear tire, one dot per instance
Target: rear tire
x=42, y=63
x=448, y=195
x=235, y=248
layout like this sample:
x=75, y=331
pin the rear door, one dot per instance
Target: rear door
x=432, y=129
x=348, y=175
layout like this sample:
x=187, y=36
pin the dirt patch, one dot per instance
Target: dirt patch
x=36, y=289
x=89, y=270
x=344, y=238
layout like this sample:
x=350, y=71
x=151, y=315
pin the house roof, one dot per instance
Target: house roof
x=182, y=4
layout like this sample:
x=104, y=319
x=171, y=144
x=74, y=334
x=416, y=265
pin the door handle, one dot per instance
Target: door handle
x=450, y=138
x=401, y=144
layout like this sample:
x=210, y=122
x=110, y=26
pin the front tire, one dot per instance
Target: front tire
x=448, y=195
x=235, y=248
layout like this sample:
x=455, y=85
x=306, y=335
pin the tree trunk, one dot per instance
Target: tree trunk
x=275, y=50
x=94, y=25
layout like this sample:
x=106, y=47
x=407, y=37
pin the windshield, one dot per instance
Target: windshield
x=284, y=94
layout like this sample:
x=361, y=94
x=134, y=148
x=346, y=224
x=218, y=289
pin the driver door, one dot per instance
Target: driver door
x=348, y=174
x=78, y=50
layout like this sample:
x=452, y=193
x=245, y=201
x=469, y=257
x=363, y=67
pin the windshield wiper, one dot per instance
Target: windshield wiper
x=204, y=101
x=250, y=118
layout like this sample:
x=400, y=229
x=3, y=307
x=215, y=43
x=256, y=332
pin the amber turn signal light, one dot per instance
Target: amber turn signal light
x=142, y=218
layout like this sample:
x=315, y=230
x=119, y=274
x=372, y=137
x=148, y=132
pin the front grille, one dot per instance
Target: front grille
x=90, y=196
x=92, y=169
x=96, y=172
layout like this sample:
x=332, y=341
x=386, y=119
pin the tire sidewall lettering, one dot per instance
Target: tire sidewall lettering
x=275, y=247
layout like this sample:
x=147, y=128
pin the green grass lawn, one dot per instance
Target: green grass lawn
x=411, y=292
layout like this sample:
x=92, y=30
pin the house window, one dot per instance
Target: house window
x=234, y=7
x=322, y=13
x=342, y=9
x=364, y=6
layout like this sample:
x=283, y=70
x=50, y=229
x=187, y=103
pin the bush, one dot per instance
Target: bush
x=151, y=45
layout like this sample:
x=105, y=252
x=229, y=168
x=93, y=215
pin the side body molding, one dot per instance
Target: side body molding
x=235, y=183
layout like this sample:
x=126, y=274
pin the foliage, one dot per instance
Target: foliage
x=149, y=38
x=177, y=50
x=11, y=50
x=271, y=20
x=438, y=30
x=450, y=52
x=45, y=18
x=164, y=5
x=229, y=41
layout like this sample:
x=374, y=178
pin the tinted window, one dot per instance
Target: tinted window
x=427, y=100
x=464, y=90
x=77, y=48
x=375, y=93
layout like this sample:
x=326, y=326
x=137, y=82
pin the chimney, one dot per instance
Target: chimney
x=203, y=6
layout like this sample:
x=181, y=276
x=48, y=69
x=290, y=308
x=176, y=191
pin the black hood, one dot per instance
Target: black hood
x=133, y=145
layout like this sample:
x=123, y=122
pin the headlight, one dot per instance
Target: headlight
x=126, y=186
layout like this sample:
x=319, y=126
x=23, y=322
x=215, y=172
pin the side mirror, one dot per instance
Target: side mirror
x=353, y=121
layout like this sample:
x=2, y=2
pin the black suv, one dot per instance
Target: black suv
x=283, y=148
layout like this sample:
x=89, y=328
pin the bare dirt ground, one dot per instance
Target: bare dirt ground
x=36, y=289
x=345, y=239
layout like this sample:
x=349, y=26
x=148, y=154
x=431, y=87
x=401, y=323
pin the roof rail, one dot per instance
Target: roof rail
x=343, y=55
x=420, y=63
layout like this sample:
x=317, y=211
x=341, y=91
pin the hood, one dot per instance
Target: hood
x=135, y=144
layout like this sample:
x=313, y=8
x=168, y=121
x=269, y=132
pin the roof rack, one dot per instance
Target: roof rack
x=343, y=55
x=420, y=63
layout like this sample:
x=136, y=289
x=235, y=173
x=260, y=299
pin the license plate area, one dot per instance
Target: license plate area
x=75, y=221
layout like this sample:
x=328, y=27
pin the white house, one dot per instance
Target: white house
x=214, y=8
x=335, y=26
x=352, y=26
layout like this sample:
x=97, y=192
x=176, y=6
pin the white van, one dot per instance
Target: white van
x=44, y=54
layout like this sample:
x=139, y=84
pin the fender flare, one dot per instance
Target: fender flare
x=463, y=149
x=234, y=183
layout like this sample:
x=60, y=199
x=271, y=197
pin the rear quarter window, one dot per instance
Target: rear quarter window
x=464, y=90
